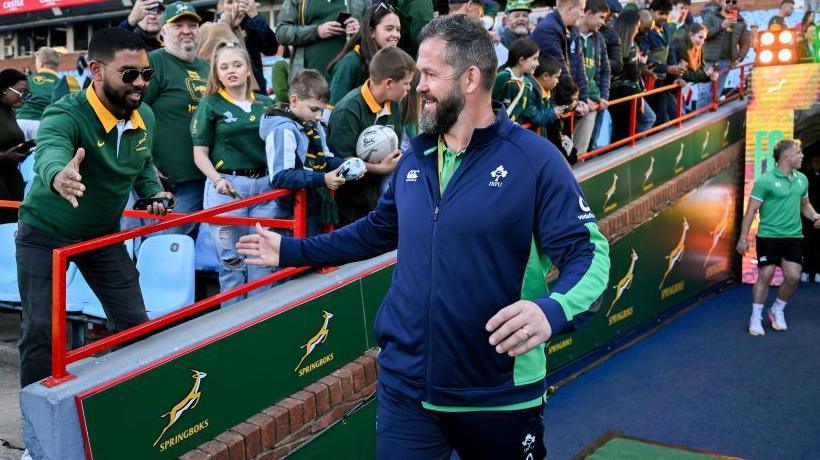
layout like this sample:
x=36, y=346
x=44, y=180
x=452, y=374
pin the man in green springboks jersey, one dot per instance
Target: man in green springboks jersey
x=41, y=84
x=93, y=147
x=781, y=195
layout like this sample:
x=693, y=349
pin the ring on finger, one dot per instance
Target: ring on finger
x=526, y=332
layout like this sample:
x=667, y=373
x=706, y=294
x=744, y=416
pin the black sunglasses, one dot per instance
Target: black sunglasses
x=24, y=96
x=130, y=75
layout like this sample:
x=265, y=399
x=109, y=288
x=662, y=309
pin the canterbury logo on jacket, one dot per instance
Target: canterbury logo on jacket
x=461, y=258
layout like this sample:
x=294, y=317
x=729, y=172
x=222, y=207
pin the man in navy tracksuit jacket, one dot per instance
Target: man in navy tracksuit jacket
x=462, y=361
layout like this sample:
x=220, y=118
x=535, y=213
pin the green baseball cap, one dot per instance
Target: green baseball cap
x=177, y=10
x=518, y=5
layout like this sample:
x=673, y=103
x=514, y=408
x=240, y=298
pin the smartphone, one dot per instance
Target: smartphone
x=155, y=9
x=143, y=203
x=342, y=17
x=27, y=147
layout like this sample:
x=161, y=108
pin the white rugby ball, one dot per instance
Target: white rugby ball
x=375, y=143
x=353, y=168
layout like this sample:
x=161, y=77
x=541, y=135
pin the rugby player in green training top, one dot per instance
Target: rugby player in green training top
x=780, y=195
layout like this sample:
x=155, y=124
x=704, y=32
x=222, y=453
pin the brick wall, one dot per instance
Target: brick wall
x=68, y=61
x=277, y=430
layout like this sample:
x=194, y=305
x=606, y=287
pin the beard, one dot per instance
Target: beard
x=120, y=98
x=445, y=115
x=521, y=30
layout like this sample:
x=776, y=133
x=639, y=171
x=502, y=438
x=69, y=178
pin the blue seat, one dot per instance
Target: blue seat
x=166, y=266
x=9, y=291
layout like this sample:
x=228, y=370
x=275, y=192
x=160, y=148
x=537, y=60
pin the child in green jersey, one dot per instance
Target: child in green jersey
x=513, y=86
x=228, y=150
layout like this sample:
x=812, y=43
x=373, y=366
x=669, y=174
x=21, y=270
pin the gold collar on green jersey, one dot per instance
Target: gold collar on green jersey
x=230, y=99
x=371, y=101
x=107, y=118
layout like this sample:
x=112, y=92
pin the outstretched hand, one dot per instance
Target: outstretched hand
x=518, y=328
x=67, y=182
x=261, y=248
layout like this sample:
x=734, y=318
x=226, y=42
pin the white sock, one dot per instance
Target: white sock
x=778, y=304
x=757, y=310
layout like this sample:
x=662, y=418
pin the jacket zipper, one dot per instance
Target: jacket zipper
x=428, y=346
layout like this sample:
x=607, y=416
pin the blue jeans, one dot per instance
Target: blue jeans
x=705, y=89
x=233, y=271
x=646, y=119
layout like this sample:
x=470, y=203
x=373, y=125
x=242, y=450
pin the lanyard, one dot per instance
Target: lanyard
x=440, y=163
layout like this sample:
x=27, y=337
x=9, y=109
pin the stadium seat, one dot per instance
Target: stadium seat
x=166, y=266
x=8, y=265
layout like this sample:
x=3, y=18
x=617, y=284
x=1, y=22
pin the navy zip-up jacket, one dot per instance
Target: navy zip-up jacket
x=461, y=259
x=553, y=38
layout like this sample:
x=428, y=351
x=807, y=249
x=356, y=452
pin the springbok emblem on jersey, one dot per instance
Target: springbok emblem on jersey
x=190, y=401
x=720, y=229
x=676, y=254
x=317, y=338
x=625, y=282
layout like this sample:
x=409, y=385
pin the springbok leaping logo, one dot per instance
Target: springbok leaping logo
x=625, y=283
x=720, y=229
x=705, y=143
x=318, y=338
x=612, y=189
x=679, y=156
x=677, y=253
x=648, y=172
x=777, y=87
x=188, y=402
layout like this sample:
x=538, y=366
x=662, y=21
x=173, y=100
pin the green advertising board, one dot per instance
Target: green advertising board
x=173, y=407
x=666, y=261
x=611, y=190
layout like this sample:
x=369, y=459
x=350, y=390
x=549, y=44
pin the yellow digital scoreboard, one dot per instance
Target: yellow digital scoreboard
x=782, y=97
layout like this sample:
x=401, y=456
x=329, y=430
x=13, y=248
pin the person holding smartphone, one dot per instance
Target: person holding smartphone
x=13, y=93
x=317, y=31
x=145, y=20
x=728, y=40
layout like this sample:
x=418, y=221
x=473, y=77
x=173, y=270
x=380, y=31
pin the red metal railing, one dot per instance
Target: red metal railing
x=681, y=117
x=61, y=358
